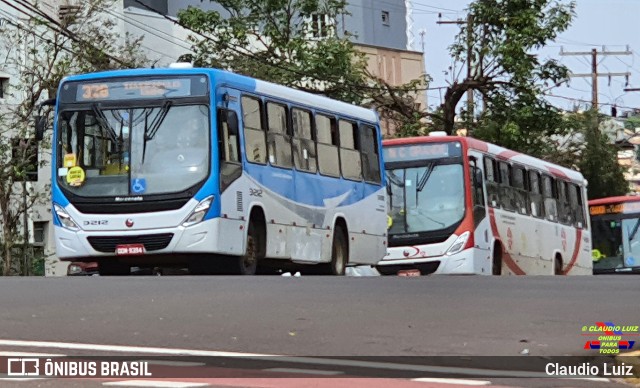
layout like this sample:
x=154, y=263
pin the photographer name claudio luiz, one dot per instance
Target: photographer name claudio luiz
x=586, y=369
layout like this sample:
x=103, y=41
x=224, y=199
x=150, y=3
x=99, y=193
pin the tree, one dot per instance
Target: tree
x=598, y=159
x=499, y=40
x=295, y=43
x=39, y=51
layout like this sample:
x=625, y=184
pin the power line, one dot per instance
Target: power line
x=60, y=28
x=253, y=57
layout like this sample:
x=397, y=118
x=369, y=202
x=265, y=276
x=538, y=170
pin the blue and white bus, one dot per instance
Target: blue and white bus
x=210, y=169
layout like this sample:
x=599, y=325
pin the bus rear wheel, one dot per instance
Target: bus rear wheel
x=339, y=253
x=113, y=268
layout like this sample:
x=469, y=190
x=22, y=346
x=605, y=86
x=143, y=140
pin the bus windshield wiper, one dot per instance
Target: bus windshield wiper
x=425, y=177
x=635, y=230
x=151, y=130
x=102, y=119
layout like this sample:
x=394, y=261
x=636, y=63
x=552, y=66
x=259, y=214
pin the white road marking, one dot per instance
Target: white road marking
x=21, y=378
x=25, y=354
x=305, y=371
x=451, y=381
x=279, y=358
x=154, y=383
x=173, y=363
x=600, y=379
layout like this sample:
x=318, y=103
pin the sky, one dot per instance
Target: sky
x=614, y=24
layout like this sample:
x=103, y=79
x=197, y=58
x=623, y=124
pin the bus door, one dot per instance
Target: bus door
x=229, y=155
x=482, y=240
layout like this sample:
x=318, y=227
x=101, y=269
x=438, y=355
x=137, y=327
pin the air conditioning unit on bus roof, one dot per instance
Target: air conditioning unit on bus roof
x=438, y=133
x=181, y=65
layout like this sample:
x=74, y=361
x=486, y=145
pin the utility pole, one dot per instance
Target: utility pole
x=469, y=23
x=594, y=70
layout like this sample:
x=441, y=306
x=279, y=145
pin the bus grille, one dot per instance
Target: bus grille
x=151, y=242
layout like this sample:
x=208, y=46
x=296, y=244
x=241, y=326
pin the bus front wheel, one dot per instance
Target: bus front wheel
x=496, y=265
x=247, y=264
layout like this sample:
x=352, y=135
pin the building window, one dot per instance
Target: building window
x=39, y=233
x=385, y=18
x=320, y=25
x=4, y=84
x=24, y=153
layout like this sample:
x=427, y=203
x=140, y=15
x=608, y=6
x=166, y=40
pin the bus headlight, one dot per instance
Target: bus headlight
x=199, y=212
x=65, y=218
x=459, y=244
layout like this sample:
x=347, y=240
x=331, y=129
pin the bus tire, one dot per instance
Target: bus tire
x=557, y=265
x=339, y=253
x=113, y=268
x=496, y=262
x=247, y=264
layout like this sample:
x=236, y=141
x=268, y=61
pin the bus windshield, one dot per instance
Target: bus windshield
x=132, y=151
x=616, y=242
x=425, y=198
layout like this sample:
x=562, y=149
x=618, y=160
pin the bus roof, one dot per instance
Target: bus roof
x=247, y=84
x=612, y=200
x=500, y=153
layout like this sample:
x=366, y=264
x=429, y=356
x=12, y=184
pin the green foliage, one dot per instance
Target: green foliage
x=270, y=40
x=273, y=40
x=40, y=53
x=598, y=159
x=503, y=35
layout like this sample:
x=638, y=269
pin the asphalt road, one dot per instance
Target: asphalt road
x=321, y=316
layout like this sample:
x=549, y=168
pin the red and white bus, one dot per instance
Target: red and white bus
x=458, y=205
x=615, y=225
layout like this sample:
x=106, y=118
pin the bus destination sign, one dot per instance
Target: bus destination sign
x=134, y=88
x=615, y=208
x=411, y=152
x=123, y=90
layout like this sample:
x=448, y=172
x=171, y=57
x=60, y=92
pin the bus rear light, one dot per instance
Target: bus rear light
x=65, y=218
x=199, y=212
x=464, y=241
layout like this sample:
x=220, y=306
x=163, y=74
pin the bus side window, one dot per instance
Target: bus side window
x=350, y=159
x=519, y=184
x=549, y=194
x=370, y=154
x=278, y=139
x=535, y=194
x=228, y=148
x=304, y=148
x=255, y=145
x=479, y=211
x=507, y=193
x=492, y=181
x=328, y=156
x=577, y=208
x=564, y=210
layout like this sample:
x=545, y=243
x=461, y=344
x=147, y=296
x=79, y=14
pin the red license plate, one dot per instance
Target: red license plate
x=130, y=249
x=410, y=272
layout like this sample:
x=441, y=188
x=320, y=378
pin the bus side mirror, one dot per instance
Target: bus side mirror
x=232, y=122
x=41, y=121
x=41, y=126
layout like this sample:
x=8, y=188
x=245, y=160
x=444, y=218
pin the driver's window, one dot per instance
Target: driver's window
x=228, y=148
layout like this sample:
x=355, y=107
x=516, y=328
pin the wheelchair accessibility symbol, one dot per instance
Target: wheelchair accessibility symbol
x=139, y=185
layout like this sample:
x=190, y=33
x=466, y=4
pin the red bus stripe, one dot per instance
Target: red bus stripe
x=506, y=257
x=576, y=251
